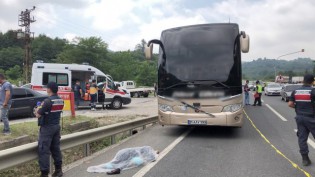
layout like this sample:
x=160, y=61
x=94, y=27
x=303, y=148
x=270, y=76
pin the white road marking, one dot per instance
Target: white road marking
x=309, y=141
x=162, y=154
x=274, y=111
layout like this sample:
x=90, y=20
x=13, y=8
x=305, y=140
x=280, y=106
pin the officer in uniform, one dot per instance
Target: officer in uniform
x=302, y=100
x=48, y=115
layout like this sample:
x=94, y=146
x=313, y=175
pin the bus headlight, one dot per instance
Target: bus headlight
x=165, y=108
x=232, y=108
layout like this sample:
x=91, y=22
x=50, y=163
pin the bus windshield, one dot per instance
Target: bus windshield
x=201, y=53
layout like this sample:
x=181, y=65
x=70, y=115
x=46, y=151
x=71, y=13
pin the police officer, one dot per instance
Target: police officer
x=302, y=100
x=48, y=115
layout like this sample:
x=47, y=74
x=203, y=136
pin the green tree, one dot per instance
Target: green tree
x=9, y=39
x=46, y=49
x=139, y=50
x=147, y=74
x=140, y=47
x=122, y=65
x=14, y=73
x=92, y=50
x=10, y=57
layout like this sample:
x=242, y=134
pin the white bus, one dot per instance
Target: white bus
x=200, y=75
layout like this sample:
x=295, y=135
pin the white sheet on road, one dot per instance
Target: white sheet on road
x=126, y=159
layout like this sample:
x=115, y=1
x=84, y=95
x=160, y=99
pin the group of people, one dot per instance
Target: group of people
x=48, y=114
x=257, y=94
x=91, y=91
x=303, y=101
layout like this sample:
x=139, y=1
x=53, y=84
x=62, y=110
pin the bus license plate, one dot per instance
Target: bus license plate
x=197, y=122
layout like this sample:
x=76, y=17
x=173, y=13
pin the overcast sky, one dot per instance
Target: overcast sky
x=276, y=27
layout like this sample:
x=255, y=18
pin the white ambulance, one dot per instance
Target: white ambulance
x=65, y=75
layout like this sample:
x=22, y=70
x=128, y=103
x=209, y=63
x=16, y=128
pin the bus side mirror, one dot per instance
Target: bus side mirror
x=244, y=41
x=148, y=51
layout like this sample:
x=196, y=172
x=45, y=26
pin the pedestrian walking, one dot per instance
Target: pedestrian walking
x=155, y=89
x=258, y=94
x=303, y=100
x=104, y=92
x=93, y=94
x=5, y=103
x=78, y=93
x=48, y=115
x=246, y=92
x=87, y=91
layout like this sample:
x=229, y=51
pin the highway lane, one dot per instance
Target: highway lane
x=234, y=152
x=217, y=151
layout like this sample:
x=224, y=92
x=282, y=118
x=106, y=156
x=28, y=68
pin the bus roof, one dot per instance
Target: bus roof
x=202, y=25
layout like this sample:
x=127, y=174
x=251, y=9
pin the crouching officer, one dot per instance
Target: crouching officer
x=48, y=115
x=303, y=101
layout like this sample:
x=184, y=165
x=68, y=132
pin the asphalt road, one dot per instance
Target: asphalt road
x=217, y=151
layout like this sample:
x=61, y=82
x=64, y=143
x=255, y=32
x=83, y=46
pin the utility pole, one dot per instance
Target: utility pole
x=302, y=50
x=25, y=21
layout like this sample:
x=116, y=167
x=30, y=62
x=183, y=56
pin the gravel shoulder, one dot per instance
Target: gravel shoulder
x=139, y=107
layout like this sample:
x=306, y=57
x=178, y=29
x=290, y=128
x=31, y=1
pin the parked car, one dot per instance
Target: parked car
x=29, y=85
x=251, y=86
x=24, y=102
x=287, y=90
x=273, y=89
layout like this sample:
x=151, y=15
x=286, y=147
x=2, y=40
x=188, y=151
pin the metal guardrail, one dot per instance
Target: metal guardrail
x=24, y=153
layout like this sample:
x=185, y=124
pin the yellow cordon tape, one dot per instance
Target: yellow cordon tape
x=277, y=150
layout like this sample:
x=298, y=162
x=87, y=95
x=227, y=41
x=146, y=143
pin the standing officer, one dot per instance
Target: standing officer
x=49, y=135
x=302, y=100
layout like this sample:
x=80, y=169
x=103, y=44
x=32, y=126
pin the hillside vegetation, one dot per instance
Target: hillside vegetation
x=264, y=69
x=121, y=65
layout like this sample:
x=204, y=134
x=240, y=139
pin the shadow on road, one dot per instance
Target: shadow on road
x=215, y=132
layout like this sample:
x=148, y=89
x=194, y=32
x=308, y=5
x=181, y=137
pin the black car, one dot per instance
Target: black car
x=24, y=102
x=287, y=90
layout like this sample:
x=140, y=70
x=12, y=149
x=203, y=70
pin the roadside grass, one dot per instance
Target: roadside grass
x=31, y=128
x=31, y=169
